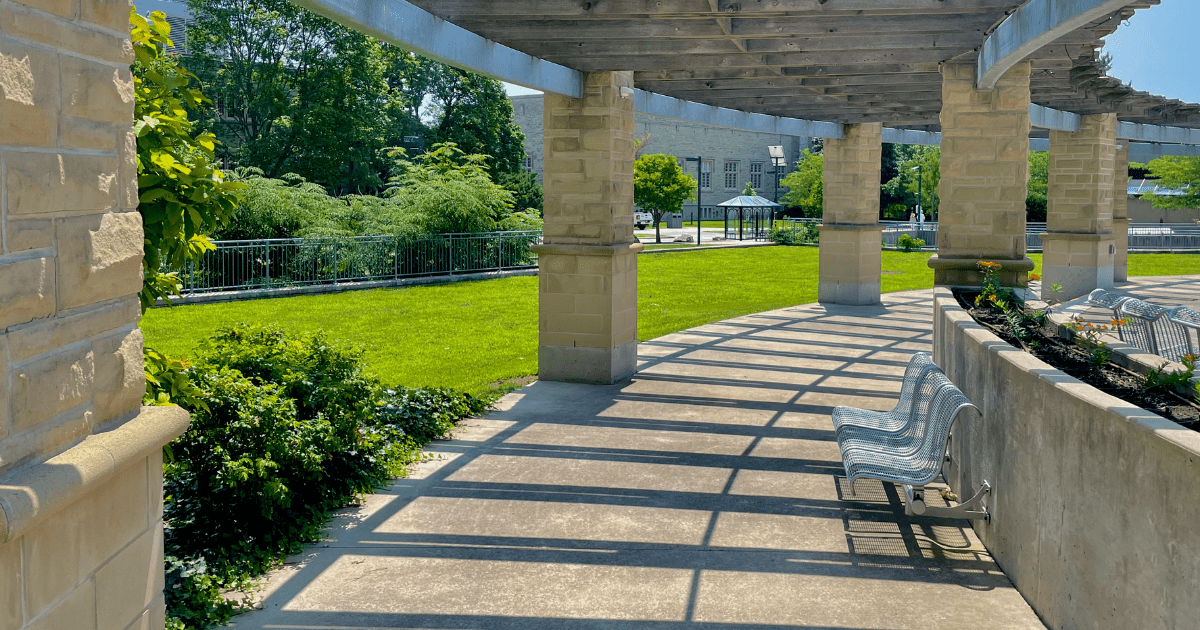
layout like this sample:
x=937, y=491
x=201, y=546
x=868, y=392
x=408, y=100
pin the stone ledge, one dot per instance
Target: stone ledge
x=576, y=249
x=1006, y=264
x=31, y=493
x=1077, y=236
x=1108, y=487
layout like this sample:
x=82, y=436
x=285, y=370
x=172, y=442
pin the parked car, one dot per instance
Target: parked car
x=642, y=220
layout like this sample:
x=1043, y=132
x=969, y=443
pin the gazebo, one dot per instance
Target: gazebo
x=750, y=207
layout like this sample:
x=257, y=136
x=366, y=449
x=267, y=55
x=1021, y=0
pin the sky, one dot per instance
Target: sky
x=1157, y=50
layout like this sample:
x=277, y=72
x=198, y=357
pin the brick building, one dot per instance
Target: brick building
x=731, y=157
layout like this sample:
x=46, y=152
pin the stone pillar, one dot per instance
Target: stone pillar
x=984, y=179
x=587, y=284
x=1078, y=248
x=1120, y=212
x=850, y=258
x=80, y=458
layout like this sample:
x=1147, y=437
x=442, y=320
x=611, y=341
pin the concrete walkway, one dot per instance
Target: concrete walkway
x=706, y=493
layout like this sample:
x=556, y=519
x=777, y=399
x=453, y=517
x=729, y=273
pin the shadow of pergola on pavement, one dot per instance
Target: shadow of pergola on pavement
x=707, y=492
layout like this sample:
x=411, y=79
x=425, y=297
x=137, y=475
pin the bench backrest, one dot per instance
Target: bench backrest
x=1152, y=330
x=1189, y=319
x=924, y=394
x=945, y=405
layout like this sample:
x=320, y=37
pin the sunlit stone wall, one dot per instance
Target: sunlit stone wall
x=80, y=463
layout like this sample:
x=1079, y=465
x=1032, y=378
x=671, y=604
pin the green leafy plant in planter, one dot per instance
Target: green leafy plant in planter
x=1088, y=339
x=1159, y=379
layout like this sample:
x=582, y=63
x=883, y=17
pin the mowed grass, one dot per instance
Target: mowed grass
x=476, y=336
x=1149, y=264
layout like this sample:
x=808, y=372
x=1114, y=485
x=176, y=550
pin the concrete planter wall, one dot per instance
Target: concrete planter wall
x=1095, y=502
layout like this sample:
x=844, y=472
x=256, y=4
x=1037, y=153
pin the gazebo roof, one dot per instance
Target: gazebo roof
x=745, y=201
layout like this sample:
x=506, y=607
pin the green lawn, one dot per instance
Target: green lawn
x=469, y=335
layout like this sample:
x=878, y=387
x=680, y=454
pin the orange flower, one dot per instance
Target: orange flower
x=1034, y=276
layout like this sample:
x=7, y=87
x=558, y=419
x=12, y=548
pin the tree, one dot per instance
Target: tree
x=450, y=192
x=1039, y=183
x=805, y=184
x=473, y=112
x=182, y=196
x=1177, y=172
x=660, y=186
x=527, y=192
x=295, y=92
x=903, y=186
x=749, y=190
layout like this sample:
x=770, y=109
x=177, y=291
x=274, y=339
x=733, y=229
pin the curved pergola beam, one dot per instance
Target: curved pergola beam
x=678, y=109
x=402, y=24
x=1033, y=26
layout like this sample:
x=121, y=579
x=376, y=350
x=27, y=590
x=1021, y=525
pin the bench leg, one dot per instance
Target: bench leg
x=973, y=508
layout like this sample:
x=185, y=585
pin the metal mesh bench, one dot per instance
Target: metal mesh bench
x=913, y=456
x=1189, y=320
x=1162, y=336
x=1151, y=328
x=848, y=418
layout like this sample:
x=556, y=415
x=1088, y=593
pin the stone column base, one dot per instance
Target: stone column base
x=1079, y=263
x=587, y=312
x=1121, y=257
x=850, y=264
x=964, y=272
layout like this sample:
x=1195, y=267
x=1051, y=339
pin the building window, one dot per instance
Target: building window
x=731, y=174
x=527, y=164
x=706, y=174
x=756, y=171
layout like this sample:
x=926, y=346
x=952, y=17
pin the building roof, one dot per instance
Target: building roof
x=744, y=201
x=1147, y=186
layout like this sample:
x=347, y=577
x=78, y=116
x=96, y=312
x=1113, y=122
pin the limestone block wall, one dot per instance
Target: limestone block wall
x=850, y=259
x=1078, y=245
x=80, y=533
x=587, y=300
x=683, y=139
x=985, y=175
x=1120, y=211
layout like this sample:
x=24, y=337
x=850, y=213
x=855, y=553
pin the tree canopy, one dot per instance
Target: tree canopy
x=1039, y=186
x=903, y=186
x=660, y=186
x=805, y=184
x=1178, y=172
x=297, y=93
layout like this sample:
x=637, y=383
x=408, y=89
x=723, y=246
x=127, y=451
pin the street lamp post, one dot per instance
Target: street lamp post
x=920, y=196
x=778, y=163
x=699, y=175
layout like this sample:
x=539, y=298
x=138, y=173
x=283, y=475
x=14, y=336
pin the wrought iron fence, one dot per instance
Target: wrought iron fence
x=1168, y=237
x=278, y=263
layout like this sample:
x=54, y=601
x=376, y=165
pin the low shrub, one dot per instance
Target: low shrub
x=285, y=428
x=908, y=243
x=797, y=233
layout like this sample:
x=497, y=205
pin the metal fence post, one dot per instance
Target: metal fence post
x=267, y=261
x=335, y=263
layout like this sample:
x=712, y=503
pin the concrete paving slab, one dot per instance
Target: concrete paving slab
x=706, y=493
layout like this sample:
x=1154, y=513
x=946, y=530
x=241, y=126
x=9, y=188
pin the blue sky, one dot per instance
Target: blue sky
x=1158, y=50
